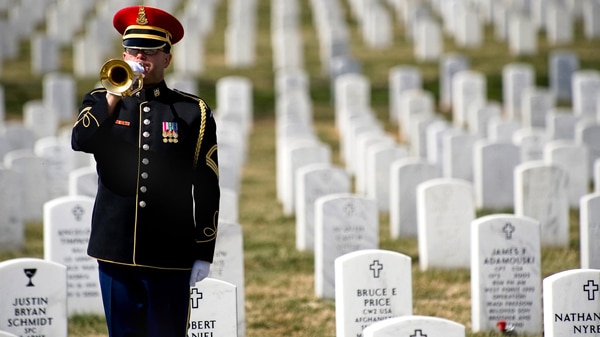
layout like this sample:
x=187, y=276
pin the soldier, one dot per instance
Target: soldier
x=155, y=216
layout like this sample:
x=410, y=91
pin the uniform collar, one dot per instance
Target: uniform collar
x=153, y=92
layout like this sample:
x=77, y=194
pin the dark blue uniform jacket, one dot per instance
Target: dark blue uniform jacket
x=158, y=191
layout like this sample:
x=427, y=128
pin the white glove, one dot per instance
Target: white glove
x=137, y=68
x=199, y=271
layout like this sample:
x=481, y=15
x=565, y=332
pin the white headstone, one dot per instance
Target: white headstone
x=479, y=117
x=588, y=134
x=12, y=227
x=44, y=54
x=429, y=43
x=506, y=276
x=67, y=229
x=573, y=159
x=83, y=181
x=522, y=37
x=240, y=46
x=228, y=265
x=493, y=173
x=415, y=326
x=536, y=104
x=40, y=119
x=229, y=206
x=531, y=142
x=378, y=28
x=596, y=175
x=32, y=181
x=541, y=193
x=469, y=91
x=457, y=157
x=402, y=78
x=298, y=156
x=59, y=95
x=344, y=223
x=561, y=124
x=418, y=134
x=234, y=95
x=469, y=29
x=365, y=142
x=571, y=304
x=559, y=25
x=450, y=64
x=502, y=130
x=516, y=77
x=2, y=98
x=371, y=285
x=563, y=64
x=213, y=309
x=33, y=300
x=312, y=182
x=589, y=231
x=436, y=132
x=188, y=55
x=58, y=160
x=379, y=161
x=586, y=88
x=413, y=104
x=591, y=25
x=405, y=175
x=445, y=209
x=17, y=136
x=352, y=93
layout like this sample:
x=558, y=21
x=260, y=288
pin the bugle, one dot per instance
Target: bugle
x=119, y=77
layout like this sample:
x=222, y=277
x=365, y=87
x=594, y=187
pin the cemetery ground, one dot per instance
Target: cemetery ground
x=279, y=279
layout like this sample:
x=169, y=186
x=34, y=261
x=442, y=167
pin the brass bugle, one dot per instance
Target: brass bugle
x=117, y=77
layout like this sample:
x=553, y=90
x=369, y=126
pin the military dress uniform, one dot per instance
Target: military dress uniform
x=158, y=145
x=157, y=204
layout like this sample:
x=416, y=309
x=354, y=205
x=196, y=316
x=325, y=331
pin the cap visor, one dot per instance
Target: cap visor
x=143, y=43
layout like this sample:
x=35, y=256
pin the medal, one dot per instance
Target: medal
x=170, y=132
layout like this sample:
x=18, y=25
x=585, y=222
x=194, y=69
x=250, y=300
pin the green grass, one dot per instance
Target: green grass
x=279, y=283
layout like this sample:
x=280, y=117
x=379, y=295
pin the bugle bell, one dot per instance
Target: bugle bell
x=120, y=77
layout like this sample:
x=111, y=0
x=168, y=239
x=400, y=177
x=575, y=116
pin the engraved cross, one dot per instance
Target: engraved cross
x=196, y=299
x=508, y=229
x=418, y=333
x=591, y=289
x=376, y=267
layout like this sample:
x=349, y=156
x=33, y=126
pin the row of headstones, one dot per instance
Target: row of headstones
x=375, y=302
x=302, y=117
x=343, y=222
x=373, y=289
x=461, y=19
x=95, y=45
x=333, y=38
x=519, y=22
x=522, y=101
x=299, y=107
x=505, y=278
x=26, y=174
x=37, y=299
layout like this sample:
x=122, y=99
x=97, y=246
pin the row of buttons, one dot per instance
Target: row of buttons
x=145, y=161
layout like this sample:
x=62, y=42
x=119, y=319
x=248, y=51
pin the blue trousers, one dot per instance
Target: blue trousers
x=144, y=302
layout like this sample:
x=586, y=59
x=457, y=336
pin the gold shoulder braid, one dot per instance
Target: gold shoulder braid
x=202, y=129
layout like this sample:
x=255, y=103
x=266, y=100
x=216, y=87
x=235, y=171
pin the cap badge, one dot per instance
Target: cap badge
x=142, y=19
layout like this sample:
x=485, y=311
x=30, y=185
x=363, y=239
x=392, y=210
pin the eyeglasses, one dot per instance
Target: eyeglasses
x=135, y=51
